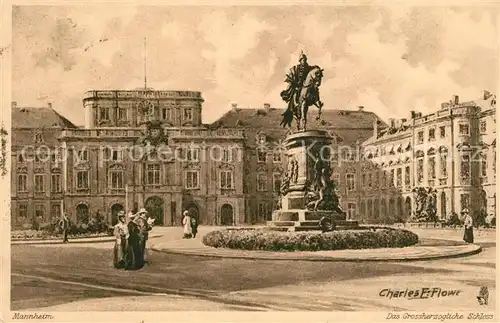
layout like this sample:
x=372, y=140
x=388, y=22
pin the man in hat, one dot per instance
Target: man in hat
x=64, y=225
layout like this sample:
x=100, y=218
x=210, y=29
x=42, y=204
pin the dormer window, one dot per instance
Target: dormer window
x=261, y=139
x=38, y=138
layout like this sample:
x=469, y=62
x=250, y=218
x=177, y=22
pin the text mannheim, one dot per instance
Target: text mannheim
x=229, y=172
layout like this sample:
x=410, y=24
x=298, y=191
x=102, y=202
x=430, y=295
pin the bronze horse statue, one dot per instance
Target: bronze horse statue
x=304, y=97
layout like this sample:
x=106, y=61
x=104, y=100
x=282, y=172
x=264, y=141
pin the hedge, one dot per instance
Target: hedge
x=310, y=241
x=23, y=235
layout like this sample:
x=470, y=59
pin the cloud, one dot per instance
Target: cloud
x=388, y=59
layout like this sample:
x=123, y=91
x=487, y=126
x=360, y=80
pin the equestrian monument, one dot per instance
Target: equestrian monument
x=309, y=198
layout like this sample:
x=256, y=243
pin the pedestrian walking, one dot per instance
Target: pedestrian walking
x=194, y=226
x=186, y=222
x=64, y=225
x=468, y=227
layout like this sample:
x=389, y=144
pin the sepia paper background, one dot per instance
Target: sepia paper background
x=233, y=68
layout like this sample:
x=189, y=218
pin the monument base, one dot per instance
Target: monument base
x=304, y=220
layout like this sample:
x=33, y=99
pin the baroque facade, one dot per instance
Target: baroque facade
x=229, y=172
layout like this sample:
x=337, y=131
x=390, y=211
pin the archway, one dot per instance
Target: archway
x=82, y=213
x=408, y=207
x=363, y=210
x=391, y=210
x=369, y=210
x=194, y=212
x=154, y=206
x=484, y=201
x=115, y=208
x=376, y=209
x=383, y=208
x=226, y=215
x=399, y=208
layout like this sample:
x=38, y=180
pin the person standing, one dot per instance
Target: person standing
x=120, y=252
x=64, y=225
x=135, y=258
x=194, y=226
x=144, y=228
x=468, y=227
x=186, y=222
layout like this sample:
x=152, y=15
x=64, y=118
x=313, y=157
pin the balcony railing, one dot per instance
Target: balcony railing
x=132, y=133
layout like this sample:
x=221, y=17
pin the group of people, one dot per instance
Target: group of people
x=131, y=238
x=190, y=224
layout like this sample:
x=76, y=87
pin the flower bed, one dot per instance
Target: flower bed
x=24, y=235
x=310, y=241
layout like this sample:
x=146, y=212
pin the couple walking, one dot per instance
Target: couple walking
x=190, y=225
x=130, y=247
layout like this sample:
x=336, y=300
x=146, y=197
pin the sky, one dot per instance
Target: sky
x=388, y=59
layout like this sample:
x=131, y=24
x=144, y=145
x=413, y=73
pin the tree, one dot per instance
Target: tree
x=479, y=218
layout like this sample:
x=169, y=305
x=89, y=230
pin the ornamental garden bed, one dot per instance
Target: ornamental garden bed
x=260, y=239
x=40, y=235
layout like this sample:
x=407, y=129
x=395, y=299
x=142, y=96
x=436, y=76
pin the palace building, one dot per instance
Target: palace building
x=229, y=172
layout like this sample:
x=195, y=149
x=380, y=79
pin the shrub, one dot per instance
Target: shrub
x=479, y=218
x=309, y=241
x=454, y=220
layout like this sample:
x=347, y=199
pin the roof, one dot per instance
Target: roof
x=350, y=125
x=30, y=117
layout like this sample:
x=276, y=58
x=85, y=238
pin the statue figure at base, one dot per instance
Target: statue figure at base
x=302, y=92
x=322, y=193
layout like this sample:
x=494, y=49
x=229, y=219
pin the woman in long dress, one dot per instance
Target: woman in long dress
x=120, y=252
x=186, y=222
x=468, y=228
x=135, y=259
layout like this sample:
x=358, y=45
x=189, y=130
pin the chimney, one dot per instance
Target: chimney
x=267, y=106
x=403, y=121
x=234, y=106
x=455, y=99
x=392, y=123
x=14, y=104
x=413, y=114
x=486, y=95
x=50, y=105
x=360, y=108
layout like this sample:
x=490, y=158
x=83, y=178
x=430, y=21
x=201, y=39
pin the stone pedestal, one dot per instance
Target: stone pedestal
x=303, y=203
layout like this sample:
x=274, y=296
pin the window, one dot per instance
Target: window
x=442, y=131
x=369, y=180
x=432, y=167
x=38, y=138
x=166, y=113
x=336, y=179
x=351, y=184
x=262, y=210
x=465, y=167
x=226, y=179
x=384, y=179
x=39, y=183
x=192, y=179
x=83, y=155
x=40, y=211
x=55, y=183
x=363, y=180
x=261, y=139
x=484, y=165
x=193, y=154
x=463, y=129
x=116, y=155
x=351, y=210
x=82, y=179
x=40, y=157
x=420, y=137
x=23, y=212
x=276, y=157
x=153, y=174
x=464, y=201
x=420, y=170
x=261, y=182
x=276, y=182
x=55, y=157
x=55, y=211
x=399, y=177
x=227, y=155
x=116, y=181
x=22, y=183
x=20, y=158
x=188, y=114
x=482, y=126
x=443, y=160
x=103, y=113
x=122, y=113
x=407, y=176
x=376, y=176
x=432, y=134
x=261, y=156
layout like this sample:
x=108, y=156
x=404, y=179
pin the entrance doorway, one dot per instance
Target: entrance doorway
x=226, y=214
x=193, y=212
x=154, y=206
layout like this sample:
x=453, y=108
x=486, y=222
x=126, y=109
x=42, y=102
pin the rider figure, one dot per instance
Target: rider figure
x=295, y=78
